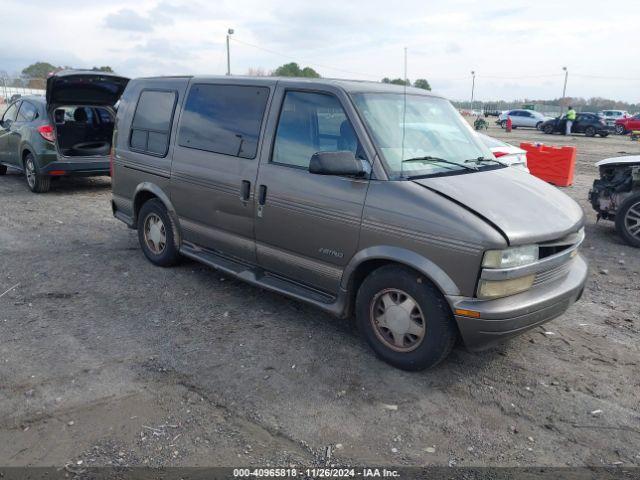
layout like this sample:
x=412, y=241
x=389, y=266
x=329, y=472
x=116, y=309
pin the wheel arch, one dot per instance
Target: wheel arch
x=147, y=191
x=369, y=259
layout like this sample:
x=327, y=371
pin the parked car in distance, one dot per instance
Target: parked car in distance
x=66, y=133
x=588, y=123
x=508, y=154
x=628, y=124
x=610, y=116
x=324, y=191
x=521, y=118
x=616, y=195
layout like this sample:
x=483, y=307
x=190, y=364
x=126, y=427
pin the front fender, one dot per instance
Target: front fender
x=406, y=257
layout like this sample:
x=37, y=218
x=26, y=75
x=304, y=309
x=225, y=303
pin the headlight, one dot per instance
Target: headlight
x=510, y=257
x=503, y=288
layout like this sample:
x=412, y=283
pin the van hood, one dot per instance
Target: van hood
x=73, y=87
x=522, y=207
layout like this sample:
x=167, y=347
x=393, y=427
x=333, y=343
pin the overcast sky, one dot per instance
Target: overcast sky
x=516, y=47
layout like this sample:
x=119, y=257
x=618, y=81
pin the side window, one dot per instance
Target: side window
x=151, y=124
x=27, y=112
x=223, y=119
x=310, y=123
x=11, y=112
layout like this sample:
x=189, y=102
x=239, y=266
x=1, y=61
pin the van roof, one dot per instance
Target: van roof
x=352, y=86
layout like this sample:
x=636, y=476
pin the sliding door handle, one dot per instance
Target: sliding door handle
x=262, y=195
x=245, y=190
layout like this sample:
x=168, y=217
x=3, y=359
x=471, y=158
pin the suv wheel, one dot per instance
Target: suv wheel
x=404, y=318
x=3, y=169
x=37, y=183
x=590, y=131
x=548, y=129
x=156, y=234
x=620, y=129
x=539, y=125
x=628, y=220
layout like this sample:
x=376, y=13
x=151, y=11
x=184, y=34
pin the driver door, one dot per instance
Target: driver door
x=307, y=226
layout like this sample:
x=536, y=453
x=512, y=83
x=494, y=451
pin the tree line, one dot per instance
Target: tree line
x=35, y=75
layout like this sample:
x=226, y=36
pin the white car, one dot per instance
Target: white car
x=506, y=153
x=522, y=118
x=610, y=116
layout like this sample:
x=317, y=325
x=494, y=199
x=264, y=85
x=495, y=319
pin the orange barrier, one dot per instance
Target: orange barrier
x=551, y=164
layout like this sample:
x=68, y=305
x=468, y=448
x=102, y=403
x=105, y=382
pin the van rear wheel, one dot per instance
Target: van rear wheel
x=404, y=318
x=156, y=234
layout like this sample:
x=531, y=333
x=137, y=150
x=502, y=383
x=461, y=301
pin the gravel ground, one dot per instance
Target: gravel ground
x=107, y=360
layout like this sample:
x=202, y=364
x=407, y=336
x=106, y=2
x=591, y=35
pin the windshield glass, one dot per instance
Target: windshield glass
x=409, y=127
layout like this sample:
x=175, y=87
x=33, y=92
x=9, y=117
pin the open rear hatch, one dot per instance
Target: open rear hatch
x=81, y=105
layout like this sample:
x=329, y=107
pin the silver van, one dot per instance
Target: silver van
x=361, y=198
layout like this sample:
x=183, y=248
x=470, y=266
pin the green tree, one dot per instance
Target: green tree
x=102, y=69
x=397, y=81
x=293, y=70
x=422, y=83
x=39, y=70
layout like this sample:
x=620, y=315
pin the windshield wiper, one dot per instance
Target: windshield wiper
x=430, y=159
x=483, y=159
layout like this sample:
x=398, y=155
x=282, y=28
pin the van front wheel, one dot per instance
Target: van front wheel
x=404, y=318
x=156, y=234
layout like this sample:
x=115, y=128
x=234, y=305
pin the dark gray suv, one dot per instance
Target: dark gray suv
x=360, y=198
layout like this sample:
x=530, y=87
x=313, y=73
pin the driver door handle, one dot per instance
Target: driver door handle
x=262, y=195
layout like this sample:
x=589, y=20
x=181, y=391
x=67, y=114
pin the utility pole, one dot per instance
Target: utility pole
x=405, y=66
x=473, y=86
x=564, y=89
x=229, y=33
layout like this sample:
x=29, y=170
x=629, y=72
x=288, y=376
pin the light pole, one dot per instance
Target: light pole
x=229, y=33
x=564, y=89
x=473, y=87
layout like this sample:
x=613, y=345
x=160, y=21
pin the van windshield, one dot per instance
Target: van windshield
x=419, y=135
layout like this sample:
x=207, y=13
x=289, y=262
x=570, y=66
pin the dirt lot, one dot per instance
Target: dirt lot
x=108, y=360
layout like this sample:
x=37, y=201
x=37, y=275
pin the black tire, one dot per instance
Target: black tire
x=620, y=130
x=548, y=129
x=630, y=207
x=503, y=124
x=3, y=169
x=539, y=125
x=166, y=254
x=590, y=131
x=36, y=182
x=440, y=331
x=604, y=134
x=91, y=149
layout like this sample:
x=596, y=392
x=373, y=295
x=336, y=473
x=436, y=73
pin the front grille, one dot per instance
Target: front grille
x=552, y=274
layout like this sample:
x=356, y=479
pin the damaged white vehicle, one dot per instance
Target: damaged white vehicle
x=616, y=195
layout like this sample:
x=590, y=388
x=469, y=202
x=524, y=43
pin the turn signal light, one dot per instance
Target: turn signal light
x=467, y=313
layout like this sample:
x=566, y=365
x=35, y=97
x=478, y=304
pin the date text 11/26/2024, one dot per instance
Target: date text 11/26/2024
x=315, y=473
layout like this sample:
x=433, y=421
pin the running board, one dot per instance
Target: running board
x=259, y=277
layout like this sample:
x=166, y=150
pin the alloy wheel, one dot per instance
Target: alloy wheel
x=30, y=172
x=397, y=320
x=632, y=220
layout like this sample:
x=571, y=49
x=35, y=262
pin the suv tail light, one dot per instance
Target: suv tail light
x=47, y=132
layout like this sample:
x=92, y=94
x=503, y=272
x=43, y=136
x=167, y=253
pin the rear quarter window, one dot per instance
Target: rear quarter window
x=223, y=119
x=151, y=125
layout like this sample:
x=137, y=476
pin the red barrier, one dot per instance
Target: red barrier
x=555, y=165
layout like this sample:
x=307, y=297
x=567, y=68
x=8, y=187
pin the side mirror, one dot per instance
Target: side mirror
x=341, y=163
